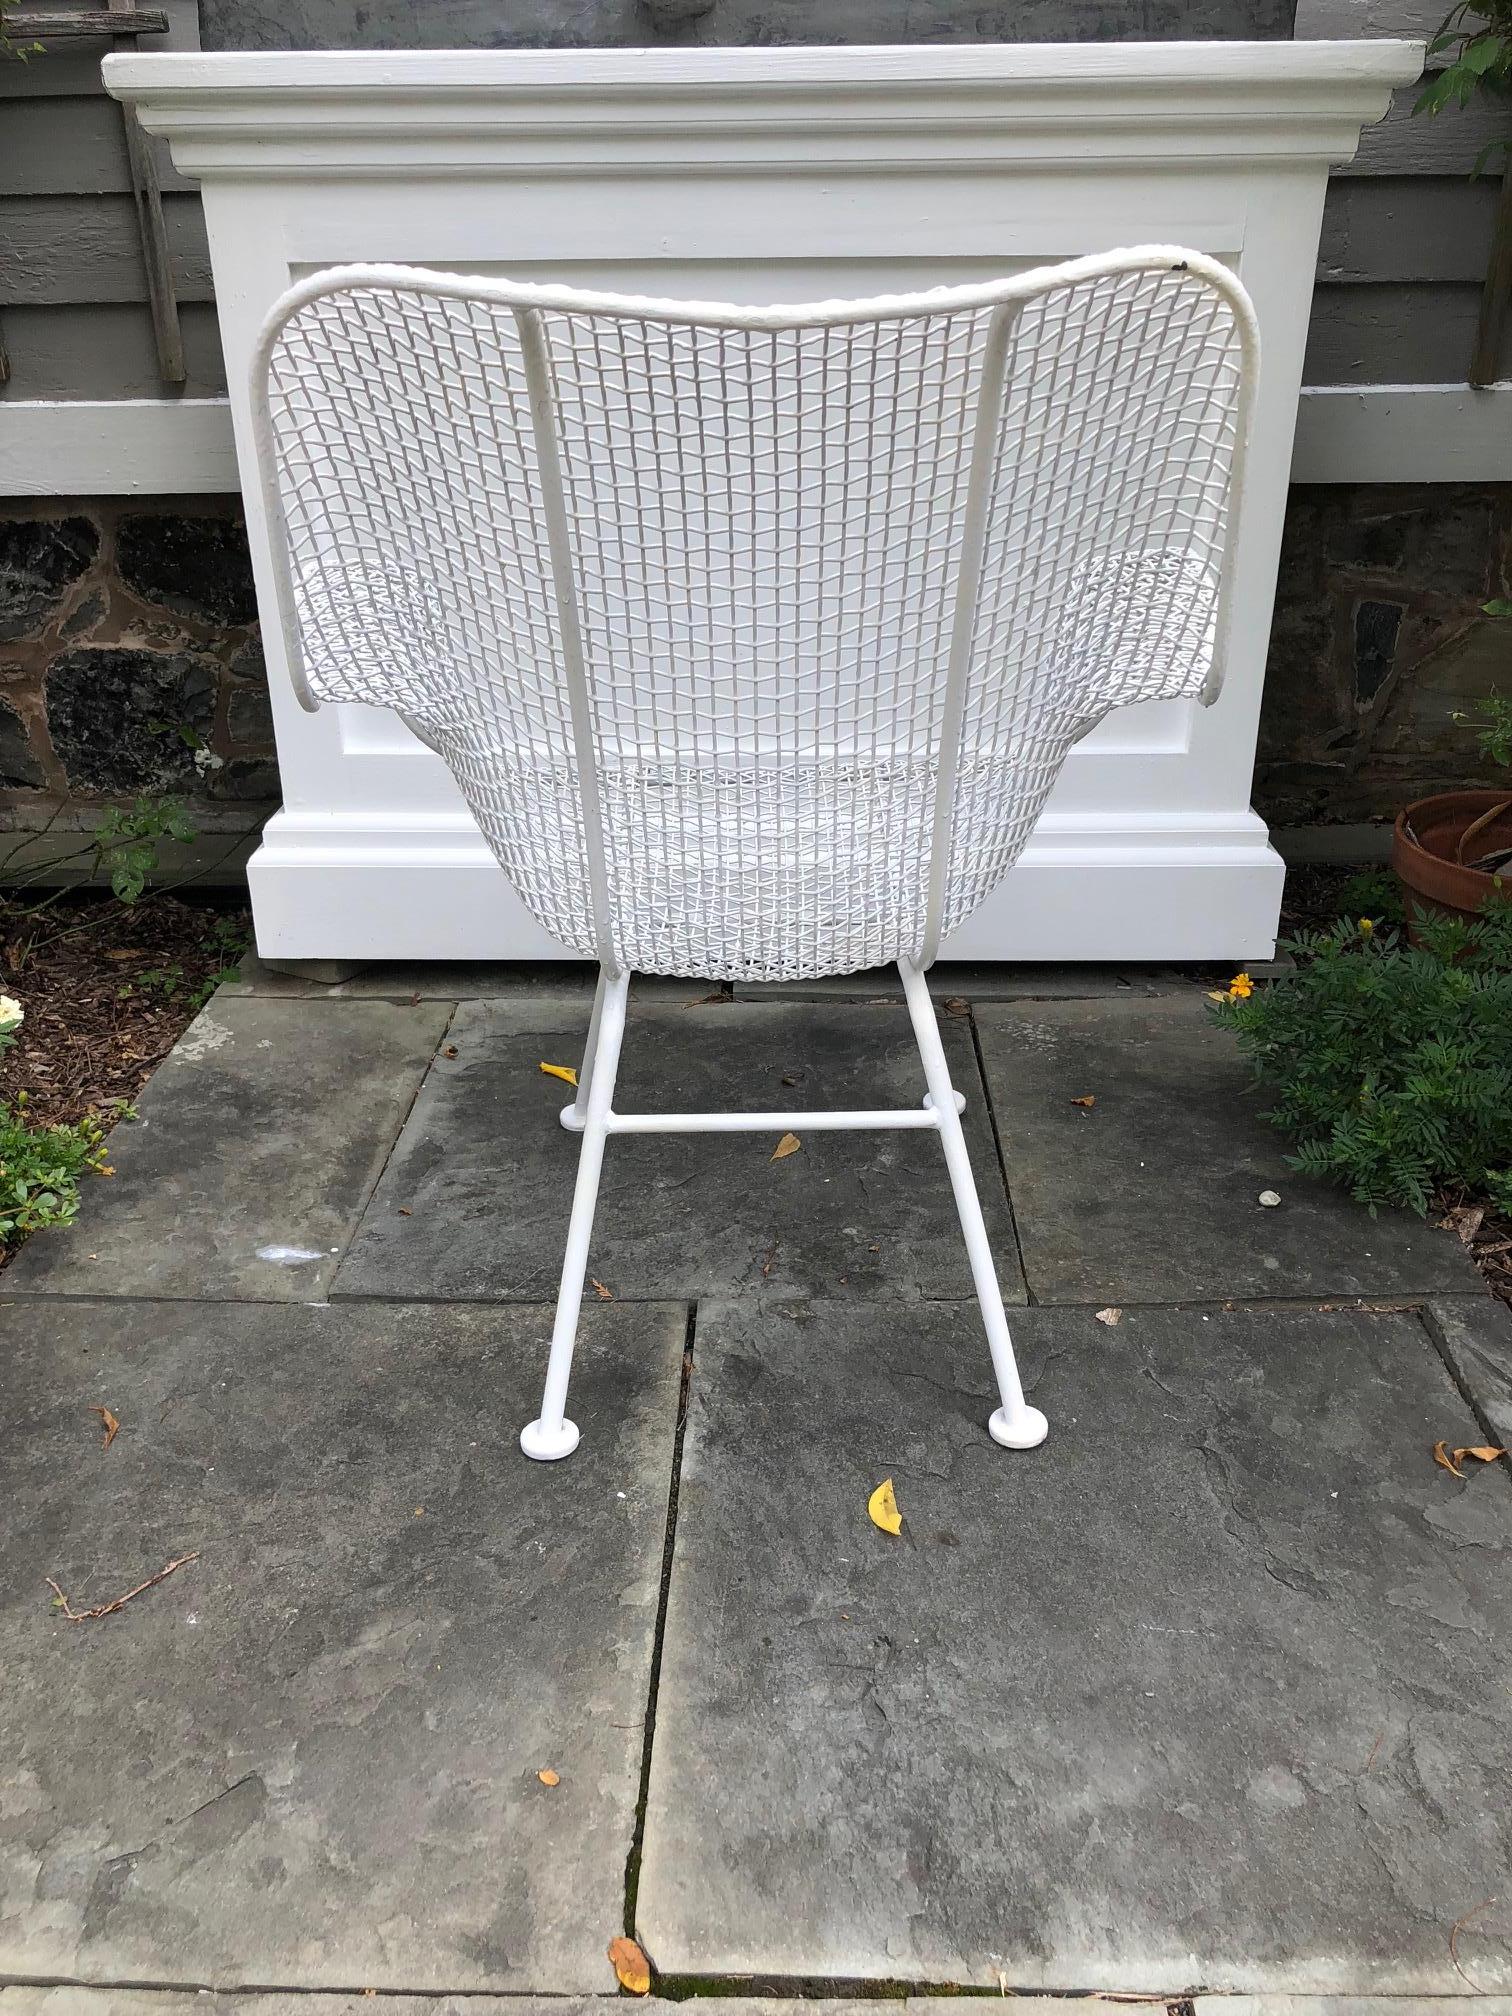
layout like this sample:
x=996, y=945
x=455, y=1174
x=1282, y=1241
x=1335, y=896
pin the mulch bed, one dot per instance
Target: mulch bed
x=107, y=992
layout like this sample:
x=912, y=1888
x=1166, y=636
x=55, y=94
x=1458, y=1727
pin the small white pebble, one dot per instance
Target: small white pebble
x=1270, y=1199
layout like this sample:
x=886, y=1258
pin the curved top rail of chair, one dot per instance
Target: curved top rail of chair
x=783, y=315
x=527, y=295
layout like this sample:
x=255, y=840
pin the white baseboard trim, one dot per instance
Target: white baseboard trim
x=343, y=892
x=1403, y=434
x=183, y=447
x=116, y=448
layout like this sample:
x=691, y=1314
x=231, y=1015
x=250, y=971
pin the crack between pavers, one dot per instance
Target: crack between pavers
x=1443, y=1351
x=635, y=1854
x=1002, y=1160
x=387, y=1157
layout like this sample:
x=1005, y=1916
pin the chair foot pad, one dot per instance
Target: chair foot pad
x=1023, y=1431
x=549, y=1445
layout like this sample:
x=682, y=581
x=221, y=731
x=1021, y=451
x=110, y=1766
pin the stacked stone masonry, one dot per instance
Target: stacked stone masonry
x=123, y=622
x=129, y=654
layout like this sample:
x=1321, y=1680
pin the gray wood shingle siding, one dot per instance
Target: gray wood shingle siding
x=1406, y=237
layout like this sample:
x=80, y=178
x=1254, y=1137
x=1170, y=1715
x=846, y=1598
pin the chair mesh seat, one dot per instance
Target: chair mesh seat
x=789, y=701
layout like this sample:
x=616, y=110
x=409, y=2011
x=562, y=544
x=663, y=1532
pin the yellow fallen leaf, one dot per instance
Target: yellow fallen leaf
x=882, y=1508
x=112, y=1426
x=548, y=1776
x=1442, y=1457
x=1483, y=1452
x=631, y=1967
x=1087, y=1099
x=788, y=1145
x=563, y=1071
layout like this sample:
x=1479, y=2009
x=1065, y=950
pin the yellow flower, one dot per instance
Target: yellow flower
x=1367, y=925
x=1241, y=987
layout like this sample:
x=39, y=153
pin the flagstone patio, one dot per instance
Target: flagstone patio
x=1206, y=1698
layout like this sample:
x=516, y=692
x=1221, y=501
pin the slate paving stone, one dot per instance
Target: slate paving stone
x=437, y=980
x=975, y=981
x=1151, y=1195
x=1207, y=1692
x=259, y=1139
x=485, y=1171
x=72, y=2001
x=1475, y=1335
x=1343, y=2005
x=309, y=1757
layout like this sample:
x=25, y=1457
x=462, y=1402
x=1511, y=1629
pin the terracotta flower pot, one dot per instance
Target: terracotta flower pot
x=1435, y=839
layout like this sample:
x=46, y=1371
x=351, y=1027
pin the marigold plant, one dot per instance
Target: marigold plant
x=1391, y=1063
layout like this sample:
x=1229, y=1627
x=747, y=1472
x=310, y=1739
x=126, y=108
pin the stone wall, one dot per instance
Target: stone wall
x=1379, y=641
x=121, y=622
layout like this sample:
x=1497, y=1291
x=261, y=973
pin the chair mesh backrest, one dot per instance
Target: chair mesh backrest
x=771, y=536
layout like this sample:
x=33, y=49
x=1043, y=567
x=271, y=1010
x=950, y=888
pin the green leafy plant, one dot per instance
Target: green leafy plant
x=12, y=51
x=41, y=1168
x=1494, y=734
x=1391, y=1063
x=1478, y=43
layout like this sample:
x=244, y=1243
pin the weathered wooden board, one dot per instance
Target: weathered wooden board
x=530, y=24
x=1445, y=144
x=1389, y=228
x=106, y=351
x=71, y=69
x=71, y=147
x=1391, y=335
x=60, y=249
x=1354, y=20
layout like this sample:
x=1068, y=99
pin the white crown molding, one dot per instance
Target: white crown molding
x=339, y=114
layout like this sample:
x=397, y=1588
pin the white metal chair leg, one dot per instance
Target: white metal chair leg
x=1016, y=1425
x=552, y=1436
x=574, y=1114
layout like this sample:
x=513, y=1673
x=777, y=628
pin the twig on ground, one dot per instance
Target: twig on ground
x=1454, y=1931
x=104, y=1609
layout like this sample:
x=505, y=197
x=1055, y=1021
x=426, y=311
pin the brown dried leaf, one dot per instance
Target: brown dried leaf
x=448, y=1049
x=1483, y=1452
x=788, y=1145
x=112, y=1426
x=955, y=1005
x=604, y=1294
x=1087, y=1099
x=548, y=1776
x=631, y=1967
x=1110, y=1316
x=1442, y=1457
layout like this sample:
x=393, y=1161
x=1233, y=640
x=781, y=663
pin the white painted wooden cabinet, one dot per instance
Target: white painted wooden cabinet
x=770, y=175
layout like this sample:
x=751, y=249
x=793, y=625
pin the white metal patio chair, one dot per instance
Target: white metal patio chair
x=756, y=637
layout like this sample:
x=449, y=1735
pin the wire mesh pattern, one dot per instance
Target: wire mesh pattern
x=756, y=639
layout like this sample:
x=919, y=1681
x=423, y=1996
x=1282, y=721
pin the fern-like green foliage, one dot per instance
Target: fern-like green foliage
x=1392, y=1063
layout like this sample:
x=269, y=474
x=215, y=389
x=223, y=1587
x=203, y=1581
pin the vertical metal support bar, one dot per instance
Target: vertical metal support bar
x=574, y=1117
x=984, y=453
x=161, y=295
x=1014, y=1424
x=543, y=414
x=551, y=1435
